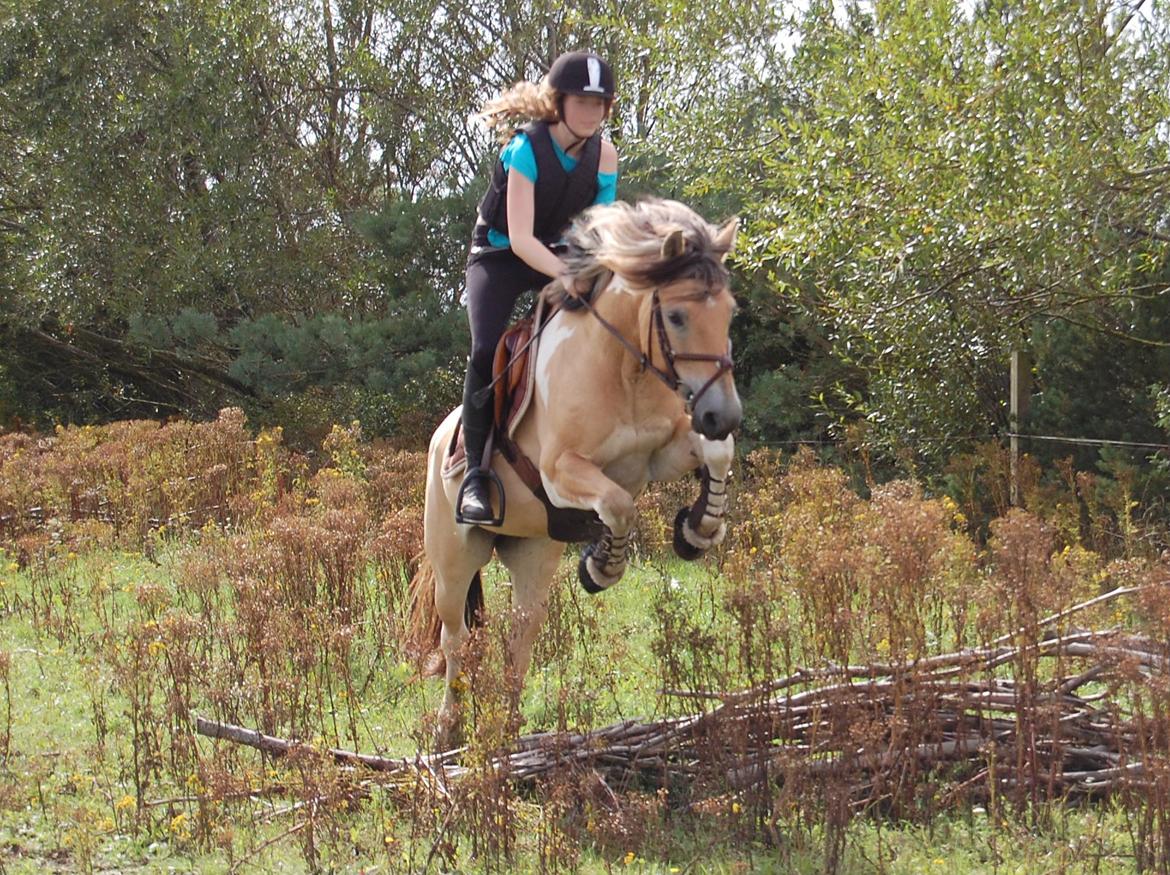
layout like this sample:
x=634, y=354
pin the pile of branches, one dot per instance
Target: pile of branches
x=1034, y=714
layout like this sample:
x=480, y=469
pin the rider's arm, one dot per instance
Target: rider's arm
x=521, y=210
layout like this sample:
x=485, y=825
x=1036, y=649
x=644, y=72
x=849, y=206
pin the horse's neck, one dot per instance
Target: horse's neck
x=596, y=343
x=580, y=357
x=591, y=389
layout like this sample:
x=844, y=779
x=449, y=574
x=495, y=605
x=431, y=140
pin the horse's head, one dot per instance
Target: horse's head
x=674, y=260
x=688, y=336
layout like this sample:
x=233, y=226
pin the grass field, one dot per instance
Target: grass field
x=153, y=584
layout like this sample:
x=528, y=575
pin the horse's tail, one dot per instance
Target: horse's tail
x=424, y=626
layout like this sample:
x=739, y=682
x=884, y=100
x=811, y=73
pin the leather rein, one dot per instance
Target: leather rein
x=668, y=375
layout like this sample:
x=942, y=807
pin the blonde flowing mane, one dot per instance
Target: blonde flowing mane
x=626, y=240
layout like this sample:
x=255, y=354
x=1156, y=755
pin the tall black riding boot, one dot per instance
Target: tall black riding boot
x=476, y=506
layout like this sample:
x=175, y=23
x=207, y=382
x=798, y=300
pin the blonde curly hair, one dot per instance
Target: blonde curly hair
x=523, y=102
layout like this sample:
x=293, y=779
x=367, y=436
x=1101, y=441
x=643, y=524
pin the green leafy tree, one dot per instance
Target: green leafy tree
x=939, y=186
x=186, y=163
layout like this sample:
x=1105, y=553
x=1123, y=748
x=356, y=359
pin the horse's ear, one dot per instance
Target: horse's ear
x=674, y=245
x=725, y=238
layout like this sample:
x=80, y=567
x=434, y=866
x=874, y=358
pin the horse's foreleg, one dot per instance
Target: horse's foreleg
x=603, y=562
x=701, y=526
x=571, y=480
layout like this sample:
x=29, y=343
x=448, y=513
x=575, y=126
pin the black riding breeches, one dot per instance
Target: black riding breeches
x=495, y=280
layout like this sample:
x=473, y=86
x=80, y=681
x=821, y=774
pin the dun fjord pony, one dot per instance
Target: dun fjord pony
x=633, y=387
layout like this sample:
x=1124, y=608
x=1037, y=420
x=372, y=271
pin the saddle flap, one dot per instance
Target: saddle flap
x=513, y=391
x=510, y=367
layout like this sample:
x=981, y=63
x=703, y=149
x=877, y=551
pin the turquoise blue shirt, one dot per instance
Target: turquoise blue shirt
x=518, y=156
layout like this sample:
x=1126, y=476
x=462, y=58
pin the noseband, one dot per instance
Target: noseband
x=668, y=375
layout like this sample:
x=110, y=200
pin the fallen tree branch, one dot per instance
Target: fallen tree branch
x=281, y=747
x=990, y=732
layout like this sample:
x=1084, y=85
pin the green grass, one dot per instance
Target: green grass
x=69, y=800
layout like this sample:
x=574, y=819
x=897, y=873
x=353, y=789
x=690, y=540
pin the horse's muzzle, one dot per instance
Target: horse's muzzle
x=717, y=413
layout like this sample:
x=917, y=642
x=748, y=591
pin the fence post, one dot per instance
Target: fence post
x=1021, y=401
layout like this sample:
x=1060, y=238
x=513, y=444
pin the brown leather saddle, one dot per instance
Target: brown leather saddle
x=514, y=374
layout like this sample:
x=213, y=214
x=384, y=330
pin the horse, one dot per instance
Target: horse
x=632, y=384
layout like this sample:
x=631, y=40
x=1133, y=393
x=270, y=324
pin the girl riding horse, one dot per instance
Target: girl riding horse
x=634, y=386
x=548, y=172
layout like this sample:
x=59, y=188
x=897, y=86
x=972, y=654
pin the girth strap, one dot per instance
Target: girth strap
x=567, y=524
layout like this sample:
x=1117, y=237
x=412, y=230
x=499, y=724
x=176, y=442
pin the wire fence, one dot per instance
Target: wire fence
x=1076, y=441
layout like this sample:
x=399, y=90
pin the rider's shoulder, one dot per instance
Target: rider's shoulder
x=517, y=152
x=609, y=158
x=519, y=140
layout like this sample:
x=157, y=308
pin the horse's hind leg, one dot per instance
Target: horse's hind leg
x=457, y=564
x=532, y=563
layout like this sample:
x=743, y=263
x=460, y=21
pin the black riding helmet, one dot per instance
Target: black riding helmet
x=582, y=73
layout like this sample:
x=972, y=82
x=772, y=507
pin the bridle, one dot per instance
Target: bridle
x=668, y=375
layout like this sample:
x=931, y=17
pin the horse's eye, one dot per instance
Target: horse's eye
x=677, y=318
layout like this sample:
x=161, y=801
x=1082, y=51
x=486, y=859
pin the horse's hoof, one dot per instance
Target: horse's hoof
x=683, y=548
x=586, y=578
x=594, y=579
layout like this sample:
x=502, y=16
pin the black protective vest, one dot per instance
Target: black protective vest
x=559, y=194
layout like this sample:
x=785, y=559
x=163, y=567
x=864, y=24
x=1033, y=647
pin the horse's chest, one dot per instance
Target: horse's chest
x=625, y=454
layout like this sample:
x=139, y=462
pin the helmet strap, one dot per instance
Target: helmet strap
x=577, y=138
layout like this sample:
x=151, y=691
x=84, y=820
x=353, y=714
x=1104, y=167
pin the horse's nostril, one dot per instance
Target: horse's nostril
x=711, y=424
